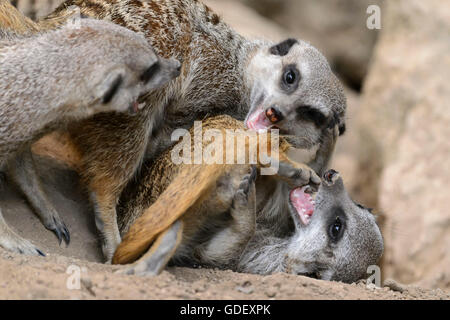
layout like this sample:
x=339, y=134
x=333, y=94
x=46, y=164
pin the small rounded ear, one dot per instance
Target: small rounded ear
x=109, y=86
x=283, y=48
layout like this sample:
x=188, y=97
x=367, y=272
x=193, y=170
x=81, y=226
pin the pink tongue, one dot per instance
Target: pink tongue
x=258, y=120
x=302, y=202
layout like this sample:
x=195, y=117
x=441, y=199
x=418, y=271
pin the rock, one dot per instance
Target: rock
x=345, y=159
x=405, y=128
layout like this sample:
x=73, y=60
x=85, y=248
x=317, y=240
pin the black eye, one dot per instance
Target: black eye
x=290, y=77
x=342, y=129
x=336, y=229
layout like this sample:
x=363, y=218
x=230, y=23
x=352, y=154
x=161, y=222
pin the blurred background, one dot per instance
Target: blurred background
x=395, y=155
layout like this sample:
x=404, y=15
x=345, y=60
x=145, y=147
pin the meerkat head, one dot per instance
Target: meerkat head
x=114, y=66
x=293, y=89
x=336, y=238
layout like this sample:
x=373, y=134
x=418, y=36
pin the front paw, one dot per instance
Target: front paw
x=55, y=224
x=298, y=175
x=246, y=190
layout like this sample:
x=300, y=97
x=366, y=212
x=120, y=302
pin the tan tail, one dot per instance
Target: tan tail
x=190, y=185
x=13, y=20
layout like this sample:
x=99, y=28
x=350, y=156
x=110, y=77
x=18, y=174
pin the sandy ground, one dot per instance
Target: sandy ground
x=76, y=272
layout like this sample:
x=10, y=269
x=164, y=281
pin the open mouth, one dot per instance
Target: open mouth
x=258, y=121
x=302, y=199
x=135, y=107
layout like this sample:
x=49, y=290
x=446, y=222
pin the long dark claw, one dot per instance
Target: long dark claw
x=66, y=235
x=61, y=231
x=58, y=234
x=40, y=252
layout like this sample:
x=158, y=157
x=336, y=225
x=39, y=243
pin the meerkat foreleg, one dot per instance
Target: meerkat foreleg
x=155, y=260
x=23, y=173
x=298, y=174
x=106, y=222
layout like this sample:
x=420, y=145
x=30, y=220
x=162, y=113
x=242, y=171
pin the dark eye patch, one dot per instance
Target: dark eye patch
x=308, y=113
x=150, y=72
x=283, y=48
x=109, y=95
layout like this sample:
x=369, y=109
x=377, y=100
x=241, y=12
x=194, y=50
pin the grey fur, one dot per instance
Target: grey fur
x=58, y=77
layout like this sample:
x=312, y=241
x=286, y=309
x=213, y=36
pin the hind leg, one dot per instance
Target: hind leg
x=225, y=248
x=23, y=173
x=155, y=260
x=13, y=242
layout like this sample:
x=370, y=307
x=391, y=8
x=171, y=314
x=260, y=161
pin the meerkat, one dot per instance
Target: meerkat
x=288, y=85
x=334, y=239
x=202, y=191
x=65, y=75
x=21, y=171
x=224, y=216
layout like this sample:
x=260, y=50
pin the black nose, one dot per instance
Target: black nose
x=274, y=115
x=329, y=174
